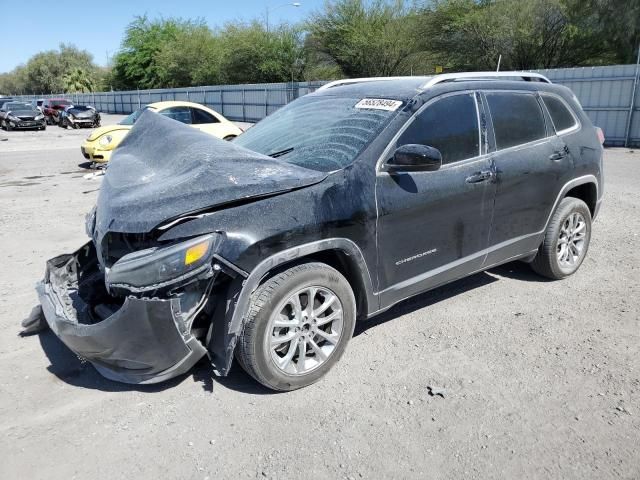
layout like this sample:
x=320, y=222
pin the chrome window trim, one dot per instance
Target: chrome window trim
x=577, y=123
x=381, y=160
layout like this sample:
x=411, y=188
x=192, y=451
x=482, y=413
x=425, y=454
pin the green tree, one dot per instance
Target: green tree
x=135, y=65
x=193, y=59
x=251, y=54
x=77, y=80
x=367, y=38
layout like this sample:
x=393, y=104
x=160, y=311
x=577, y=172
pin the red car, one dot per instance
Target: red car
x=52, y=107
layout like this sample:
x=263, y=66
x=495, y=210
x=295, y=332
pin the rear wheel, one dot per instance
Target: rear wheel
x=298, y=326
x=566, y=240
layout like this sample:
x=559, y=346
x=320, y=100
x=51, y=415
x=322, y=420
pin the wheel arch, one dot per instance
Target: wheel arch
x=340, y=253
x=587, y=192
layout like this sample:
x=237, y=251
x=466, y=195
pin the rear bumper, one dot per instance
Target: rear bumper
x=140, y=341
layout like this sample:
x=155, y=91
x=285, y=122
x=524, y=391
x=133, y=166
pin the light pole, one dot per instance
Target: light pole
x=293, y=4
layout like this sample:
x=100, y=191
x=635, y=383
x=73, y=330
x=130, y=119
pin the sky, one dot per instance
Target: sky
x=99, y=26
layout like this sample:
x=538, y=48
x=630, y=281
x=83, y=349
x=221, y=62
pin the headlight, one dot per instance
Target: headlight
x=105, y=140
x=40, y=117
x=12, y=118
x=157, y=267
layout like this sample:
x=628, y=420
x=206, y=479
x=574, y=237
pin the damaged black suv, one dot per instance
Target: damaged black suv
x=336, y=207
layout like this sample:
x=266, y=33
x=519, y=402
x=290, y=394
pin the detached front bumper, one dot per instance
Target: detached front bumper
x=138, y=341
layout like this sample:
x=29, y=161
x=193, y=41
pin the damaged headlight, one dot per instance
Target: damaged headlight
x=105, y=140
x=156, y=267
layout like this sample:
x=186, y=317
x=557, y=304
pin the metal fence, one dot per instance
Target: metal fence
x=242, y=103
x=607, y=96
x=606, y=93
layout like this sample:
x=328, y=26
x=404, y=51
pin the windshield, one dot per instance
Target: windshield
x=60, y=103
x=131, y=118
x=322, y=133
x=81, y=108
x=18, y=106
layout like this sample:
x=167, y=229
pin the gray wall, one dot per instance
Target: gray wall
x=604, y=92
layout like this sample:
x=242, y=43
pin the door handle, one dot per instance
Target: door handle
x=482, y=176
x=559, y=154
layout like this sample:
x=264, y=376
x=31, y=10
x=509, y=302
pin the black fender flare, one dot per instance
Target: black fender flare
x=223, y=340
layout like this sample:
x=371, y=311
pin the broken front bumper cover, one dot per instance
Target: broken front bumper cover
x=143, y=340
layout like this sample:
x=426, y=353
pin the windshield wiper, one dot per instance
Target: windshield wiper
x=281, y=153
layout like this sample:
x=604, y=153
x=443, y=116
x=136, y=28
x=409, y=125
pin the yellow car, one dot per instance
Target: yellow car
x=104, y=140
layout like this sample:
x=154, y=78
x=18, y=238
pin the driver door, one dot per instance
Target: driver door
x=433, y=227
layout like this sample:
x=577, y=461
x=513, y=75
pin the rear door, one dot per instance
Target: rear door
x=530, y=162
x=433, y=227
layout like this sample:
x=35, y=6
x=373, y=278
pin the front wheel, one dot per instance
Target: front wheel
x=566, y=240
x=298, y=326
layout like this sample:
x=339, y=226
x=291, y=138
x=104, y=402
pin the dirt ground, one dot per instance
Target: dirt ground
x=541, y=379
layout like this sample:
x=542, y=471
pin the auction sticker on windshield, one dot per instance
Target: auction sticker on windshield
x=379, y=104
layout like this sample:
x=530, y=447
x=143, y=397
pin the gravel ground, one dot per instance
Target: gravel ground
x=540, y=379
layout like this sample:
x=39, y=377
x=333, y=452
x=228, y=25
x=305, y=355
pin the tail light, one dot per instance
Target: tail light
x=600, y=134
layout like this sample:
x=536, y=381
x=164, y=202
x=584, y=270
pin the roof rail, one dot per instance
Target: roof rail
x=349, y=81
x=451, y=77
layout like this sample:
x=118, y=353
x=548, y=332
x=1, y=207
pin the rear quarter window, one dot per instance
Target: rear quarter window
x=562, y=118
x=517, y=118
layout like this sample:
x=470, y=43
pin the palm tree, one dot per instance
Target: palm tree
x=77, y=81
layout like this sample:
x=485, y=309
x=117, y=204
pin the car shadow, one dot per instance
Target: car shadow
x=66, y=366
x=519, y=271
x=426, y=299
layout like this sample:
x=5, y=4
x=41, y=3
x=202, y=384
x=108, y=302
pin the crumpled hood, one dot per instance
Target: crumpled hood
x=164, y=169
x=76, y=112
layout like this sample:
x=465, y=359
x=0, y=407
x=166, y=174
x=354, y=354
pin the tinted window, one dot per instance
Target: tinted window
x=319, y=132
x=561, y=116
x=450, y=125
x=181, y=114
x=200, y=116
x=517, y=118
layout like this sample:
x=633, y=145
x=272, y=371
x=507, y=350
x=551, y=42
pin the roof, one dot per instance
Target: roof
x=174, y=103
x=400, y=88
x=403, y=88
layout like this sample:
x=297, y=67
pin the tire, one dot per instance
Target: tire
x=7, y=126
x=254, y=351
x=3, y=125
x=228, y=138
x=561, y=233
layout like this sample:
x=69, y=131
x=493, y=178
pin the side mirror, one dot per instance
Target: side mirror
x=415, y=158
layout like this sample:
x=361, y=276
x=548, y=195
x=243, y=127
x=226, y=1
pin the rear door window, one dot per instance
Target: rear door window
x=181, y=114
x=517, y=118
x=450, y=125
x=562, y=118
x=200, y=117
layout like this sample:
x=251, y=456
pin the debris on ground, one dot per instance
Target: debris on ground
x=433, y=391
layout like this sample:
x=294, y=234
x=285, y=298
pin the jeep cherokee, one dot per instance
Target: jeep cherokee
x=334, y=208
